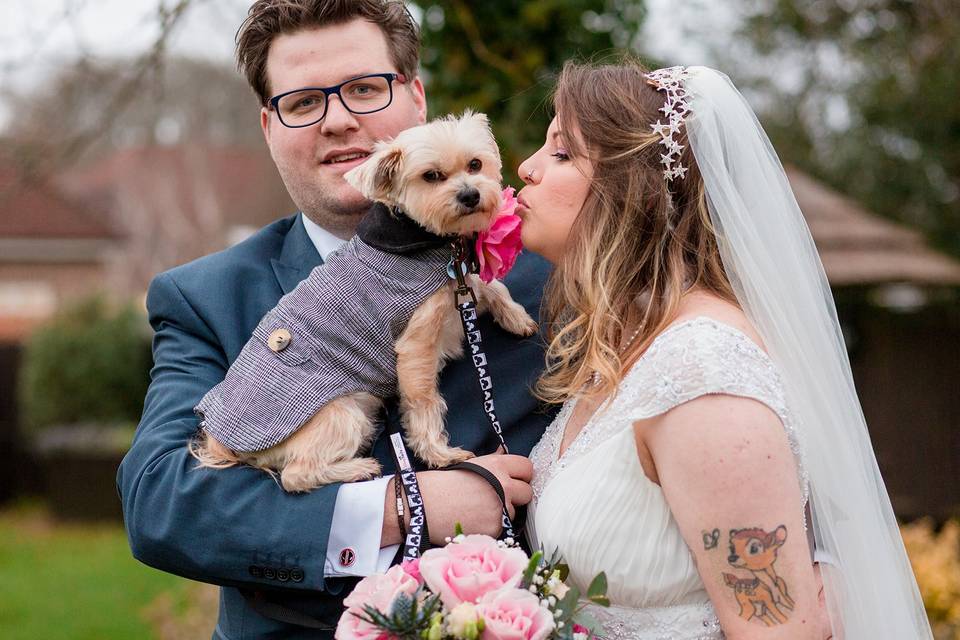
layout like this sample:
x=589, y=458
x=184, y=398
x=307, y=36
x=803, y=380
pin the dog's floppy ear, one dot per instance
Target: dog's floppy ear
x=375, y=178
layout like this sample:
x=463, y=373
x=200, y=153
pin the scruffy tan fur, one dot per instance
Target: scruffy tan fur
x=398, y=174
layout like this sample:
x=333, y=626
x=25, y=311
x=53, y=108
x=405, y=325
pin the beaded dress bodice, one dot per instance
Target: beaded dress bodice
x=597, y=507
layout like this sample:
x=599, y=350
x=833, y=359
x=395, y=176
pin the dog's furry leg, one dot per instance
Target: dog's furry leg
x=212, y=454
x=323, y=450
x=506, y=312
x=432, y=336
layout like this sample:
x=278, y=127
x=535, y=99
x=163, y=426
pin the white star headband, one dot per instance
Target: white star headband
x=676, y=106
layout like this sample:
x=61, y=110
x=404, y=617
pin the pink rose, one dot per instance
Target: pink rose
x=514, y=614
x=351, y=627
x=499, y=246
x=381, y=589
x=378, y=591
x=412, y=569
x=465, y=571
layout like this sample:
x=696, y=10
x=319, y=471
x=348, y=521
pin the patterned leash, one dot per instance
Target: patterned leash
x=462, y=263
x=417, y=539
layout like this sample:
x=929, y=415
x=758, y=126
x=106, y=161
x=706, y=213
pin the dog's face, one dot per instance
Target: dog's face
x=444, y=174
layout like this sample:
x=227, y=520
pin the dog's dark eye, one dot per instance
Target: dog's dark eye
x=474, y=166
x=433, y=176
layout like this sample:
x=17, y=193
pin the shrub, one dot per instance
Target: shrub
x=89, y=365
x=935, y=558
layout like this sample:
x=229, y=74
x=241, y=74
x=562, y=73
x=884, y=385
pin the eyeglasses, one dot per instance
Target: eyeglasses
x=361, y=95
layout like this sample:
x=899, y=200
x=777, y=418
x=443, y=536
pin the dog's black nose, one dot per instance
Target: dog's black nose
x=733, y=559
x=469, y=197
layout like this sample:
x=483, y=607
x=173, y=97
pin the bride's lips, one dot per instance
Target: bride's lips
x=522, y=207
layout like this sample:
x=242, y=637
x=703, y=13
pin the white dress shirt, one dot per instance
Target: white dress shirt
x=353, y=547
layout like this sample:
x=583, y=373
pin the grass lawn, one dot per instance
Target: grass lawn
x=79, y=582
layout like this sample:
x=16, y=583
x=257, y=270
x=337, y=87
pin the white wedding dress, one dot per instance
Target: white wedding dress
x=597, y=507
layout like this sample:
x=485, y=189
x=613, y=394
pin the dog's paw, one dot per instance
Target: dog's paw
x=356, y=469
x=296, y=480
x=299, y=477
x=529, y=327
x=441, y=456
x=519, y=323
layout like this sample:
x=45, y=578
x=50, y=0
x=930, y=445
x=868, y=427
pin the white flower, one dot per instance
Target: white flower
x=559, y=590
x=463, y=621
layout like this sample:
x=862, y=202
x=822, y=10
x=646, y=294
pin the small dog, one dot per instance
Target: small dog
x=445, y=176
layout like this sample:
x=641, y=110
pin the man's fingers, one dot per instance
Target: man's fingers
x=518, y=467
x=519, y=492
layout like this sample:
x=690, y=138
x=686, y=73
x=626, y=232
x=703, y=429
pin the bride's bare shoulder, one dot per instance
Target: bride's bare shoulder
x=696, y=304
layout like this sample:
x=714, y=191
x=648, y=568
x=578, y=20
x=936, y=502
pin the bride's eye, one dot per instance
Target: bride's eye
x=561, y=155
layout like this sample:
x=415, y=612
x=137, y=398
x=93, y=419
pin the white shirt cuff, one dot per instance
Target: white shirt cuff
x=353, y=546
x=819, y=555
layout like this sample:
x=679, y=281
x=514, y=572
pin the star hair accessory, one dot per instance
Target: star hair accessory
x=674, y=109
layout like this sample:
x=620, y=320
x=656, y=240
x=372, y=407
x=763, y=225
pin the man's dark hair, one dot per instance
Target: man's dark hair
x=267, y=19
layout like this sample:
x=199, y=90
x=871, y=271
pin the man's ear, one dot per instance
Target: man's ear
x=265, y=124
x=375, y=179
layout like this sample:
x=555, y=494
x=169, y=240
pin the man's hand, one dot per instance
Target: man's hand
x=461, y=496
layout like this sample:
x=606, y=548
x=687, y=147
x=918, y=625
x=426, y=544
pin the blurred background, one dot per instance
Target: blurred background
x=130, y=144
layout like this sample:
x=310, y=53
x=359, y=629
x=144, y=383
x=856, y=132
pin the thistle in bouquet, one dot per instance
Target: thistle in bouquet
x=473, y=588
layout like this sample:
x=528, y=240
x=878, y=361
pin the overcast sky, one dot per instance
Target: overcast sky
x=36, y=36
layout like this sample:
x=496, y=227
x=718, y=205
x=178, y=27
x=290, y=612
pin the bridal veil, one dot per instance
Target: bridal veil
x=773, y=266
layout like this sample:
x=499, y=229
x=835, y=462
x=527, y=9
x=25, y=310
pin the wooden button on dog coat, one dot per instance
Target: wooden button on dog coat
x=279, y=340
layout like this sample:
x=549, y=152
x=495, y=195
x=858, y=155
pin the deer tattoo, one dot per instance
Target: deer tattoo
x=764, y=596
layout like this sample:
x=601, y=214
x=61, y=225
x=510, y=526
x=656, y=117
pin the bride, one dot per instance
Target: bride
x=710, y=436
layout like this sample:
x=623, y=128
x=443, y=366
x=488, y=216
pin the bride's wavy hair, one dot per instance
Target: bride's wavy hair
x=637, y=244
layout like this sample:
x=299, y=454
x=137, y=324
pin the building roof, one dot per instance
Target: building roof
x=858, y=247
x=40, y=211
x=235, y=185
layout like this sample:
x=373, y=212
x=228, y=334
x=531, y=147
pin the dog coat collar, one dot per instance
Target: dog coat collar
x=393, y=231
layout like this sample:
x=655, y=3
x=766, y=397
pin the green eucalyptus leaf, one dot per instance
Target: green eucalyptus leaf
x=531, y=569
x=598, y=587
x=567, y=605
x=588, y=621
x=603, y=601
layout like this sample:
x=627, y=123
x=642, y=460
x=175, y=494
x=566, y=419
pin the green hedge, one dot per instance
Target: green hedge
x=89, y=364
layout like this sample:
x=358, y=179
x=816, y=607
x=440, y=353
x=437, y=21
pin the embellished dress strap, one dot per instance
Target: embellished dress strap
x=700, y=357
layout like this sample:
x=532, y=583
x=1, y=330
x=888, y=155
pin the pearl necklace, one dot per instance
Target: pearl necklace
x=595, y=376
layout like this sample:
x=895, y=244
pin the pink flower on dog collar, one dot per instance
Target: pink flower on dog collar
x=499, y=246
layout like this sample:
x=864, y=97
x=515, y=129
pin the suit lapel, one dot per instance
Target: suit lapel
x=297, y=258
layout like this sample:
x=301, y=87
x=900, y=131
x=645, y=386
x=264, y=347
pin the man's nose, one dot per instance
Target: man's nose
x=338, y=118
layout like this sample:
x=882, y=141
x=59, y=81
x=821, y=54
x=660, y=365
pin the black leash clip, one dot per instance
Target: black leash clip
x=461, y=263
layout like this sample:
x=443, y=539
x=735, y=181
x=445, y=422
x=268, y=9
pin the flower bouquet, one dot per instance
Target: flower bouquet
x=475, y=587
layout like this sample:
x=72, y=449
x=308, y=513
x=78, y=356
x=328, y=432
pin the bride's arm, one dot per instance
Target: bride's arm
x=730, y=479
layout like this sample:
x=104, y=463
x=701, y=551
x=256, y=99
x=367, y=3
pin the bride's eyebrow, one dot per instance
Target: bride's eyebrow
x=557, y=138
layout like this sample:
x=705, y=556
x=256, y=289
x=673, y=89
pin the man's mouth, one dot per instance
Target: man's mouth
x=353, y=157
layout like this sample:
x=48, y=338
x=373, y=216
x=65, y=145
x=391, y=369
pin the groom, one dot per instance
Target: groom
x=284, y=562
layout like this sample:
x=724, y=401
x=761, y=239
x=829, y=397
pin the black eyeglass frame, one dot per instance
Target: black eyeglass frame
x=335, y=90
